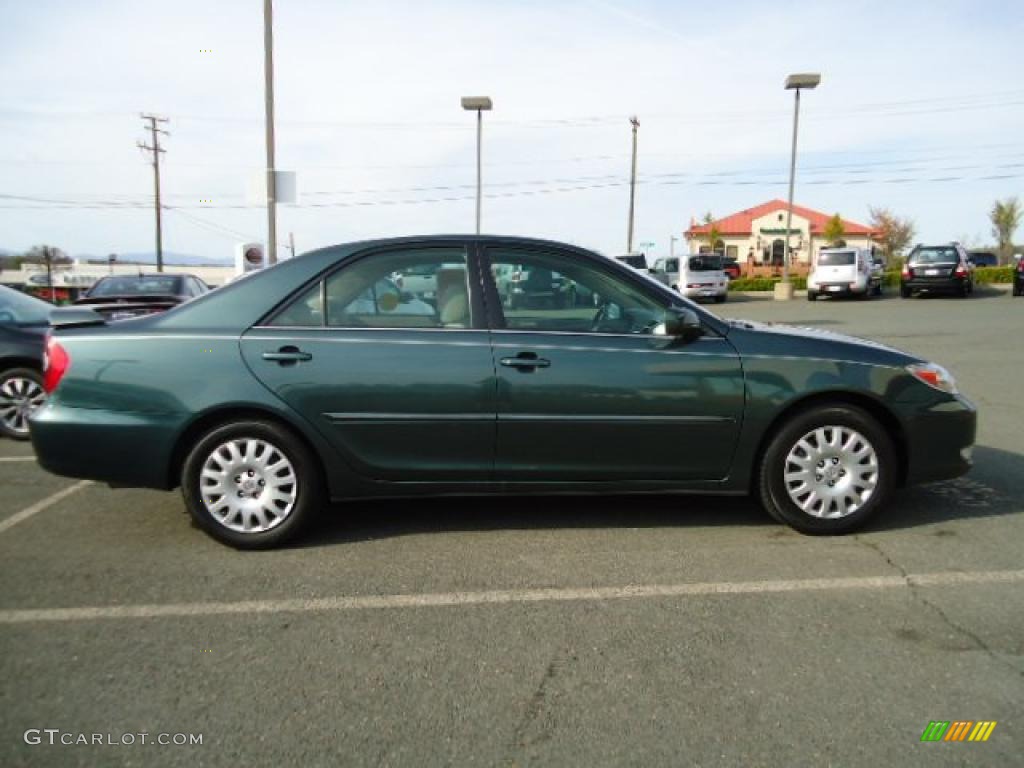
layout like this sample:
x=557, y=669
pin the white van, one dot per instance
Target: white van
x=843, y=272
x=696, y=276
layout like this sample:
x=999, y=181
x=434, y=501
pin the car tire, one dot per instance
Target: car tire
x=965, y=291
x=906, y=293
x=21, y=392
x=252, y=448
x=812, y=296
x=1016, y=290
x=720, y=299
x=840, y=444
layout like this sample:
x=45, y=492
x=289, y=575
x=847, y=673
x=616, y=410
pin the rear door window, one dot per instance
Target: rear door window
x=837, y=259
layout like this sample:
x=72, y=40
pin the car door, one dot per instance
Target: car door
x=588, y=390
x=402, y=386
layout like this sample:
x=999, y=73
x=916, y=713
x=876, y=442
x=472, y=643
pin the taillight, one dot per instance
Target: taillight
x=961, y=271
x=55, y=363
x=907, y=271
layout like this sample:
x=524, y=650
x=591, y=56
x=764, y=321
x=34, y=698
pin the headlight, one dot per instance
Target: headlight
x=934, y=376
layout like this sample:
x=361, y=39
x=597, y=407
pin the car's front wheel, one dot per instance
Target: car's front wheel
x=251, y=484
x=827, y=470
x=21, y=392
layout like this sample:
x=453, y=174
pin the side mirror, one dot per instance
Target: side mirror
x=683, y=324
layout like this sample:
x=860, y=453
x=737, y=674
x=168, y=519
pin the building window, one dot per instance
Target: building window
x=732, y=251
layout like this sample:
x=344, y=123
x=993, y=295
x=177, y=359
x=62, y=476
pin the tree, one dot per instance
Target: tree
x=1005, y=217
x=893, y=232
x=834, y=231
x=714, y=235
x=49, y=257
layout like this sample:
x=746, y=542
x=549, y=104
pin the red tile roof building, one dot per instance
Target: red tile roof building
x=758, y=235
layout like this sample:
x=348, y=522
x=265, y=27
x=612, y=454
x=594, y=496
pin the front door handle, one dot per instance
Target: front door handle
x=287, y=356
x=525, y=361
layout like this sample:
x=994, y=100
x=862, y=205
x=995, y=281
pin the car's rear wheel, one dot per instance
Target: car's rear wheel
x=827, y=470
x=905, y=292
x=720, y=299
x=812, y=296
x=21, y=392
x=251, y=484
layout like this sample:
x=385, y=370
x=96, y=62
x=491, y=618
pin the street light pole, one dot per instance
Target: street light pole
x=784, y=290
x=268, y=77
x=478, y=104
x=792, y=182
x=632, y=187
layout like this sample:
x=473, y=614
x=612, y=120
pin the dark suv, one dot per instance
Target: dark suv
x=1018, y=276
x=938, y=268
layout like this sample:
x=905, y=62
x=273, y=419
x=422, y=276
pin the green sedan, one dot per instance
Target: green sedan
x=324, y=379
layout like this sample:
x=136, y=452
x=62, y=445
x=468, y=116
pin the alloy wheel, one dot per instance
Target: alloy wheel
x=19, y=397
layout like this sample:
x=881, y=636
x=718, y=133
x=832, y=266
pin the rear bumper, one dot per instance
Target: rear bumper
x=705, y=291
x=935, y=283
x=940, y=440
x=838, y=289
x=120, y=448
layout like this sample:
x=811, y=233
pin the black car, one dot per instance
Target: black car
x=937, y=268
x=23, y=323
x=122, y=296
x=984, y=259
x=1018, y=277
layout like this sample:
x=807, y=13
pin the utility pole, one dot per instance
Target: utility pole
x=291, y=243
x=156, y=150
x=268, y=77
x=632, y=187
x=672, y=246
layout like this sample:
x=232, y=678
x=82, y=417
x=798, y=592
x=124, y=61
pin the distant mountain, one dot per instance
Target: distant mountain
x=170, y=257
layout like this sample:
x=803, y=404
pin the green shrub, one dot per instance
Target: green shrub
x=983, y=275
x=891, y=279
x=764, y=283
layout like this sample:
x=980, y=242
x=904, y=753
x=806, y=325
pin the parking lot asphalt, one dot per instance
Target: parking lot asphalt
x=651, y=630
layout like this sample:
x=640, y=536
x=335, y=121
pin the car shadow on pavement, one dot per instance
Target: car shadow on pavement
x=368, y=520
x=993, y=488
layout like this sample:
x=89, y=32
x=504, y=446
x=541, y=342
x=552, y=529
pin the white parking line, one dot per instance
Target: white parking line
x=39, y=506
x=444, y=599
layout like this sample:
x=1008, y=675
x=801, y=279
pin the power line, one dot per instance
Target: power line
x=695, y=182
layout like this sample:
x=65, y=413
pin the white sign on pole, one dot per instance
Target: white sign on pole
x=284, y=181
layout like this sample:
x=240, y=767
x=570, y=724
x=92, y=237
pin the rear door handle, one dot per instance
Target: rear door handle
x=287, y=355
x=525, y=361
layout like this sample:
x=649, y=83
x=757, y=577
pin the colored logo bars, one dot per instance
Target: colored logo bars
x=958, y=730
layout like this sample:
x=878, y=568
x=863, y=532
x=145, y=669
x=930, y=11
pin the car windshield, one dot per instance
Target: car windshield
x=136, y=286
x=17, y=308
x=933, y=256
x=836, y=258
x=704, y=263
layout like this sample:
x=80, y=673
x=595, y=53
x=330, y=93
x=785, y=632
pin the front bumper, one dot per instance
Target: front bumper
x=120, y=448
x=940, y=440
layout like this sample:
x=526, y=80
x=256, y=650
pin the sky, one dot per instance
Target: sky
x=920, y=109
